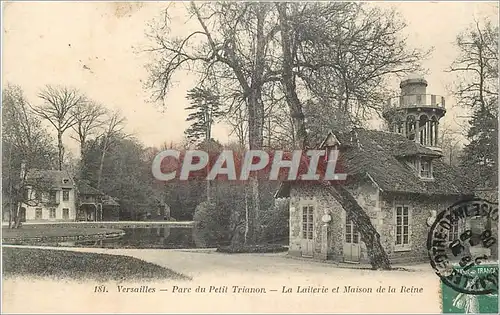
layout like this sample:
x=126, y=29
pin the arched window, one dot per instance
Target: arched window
x=410, y=127
x=423, y=126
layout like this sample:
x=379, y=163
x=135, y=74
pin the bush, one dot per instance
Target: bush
x=240, y=249
x=274, y=225
x=211, y=225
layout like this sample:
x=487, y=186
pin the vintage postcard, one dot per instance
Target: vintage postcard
x=250, y=157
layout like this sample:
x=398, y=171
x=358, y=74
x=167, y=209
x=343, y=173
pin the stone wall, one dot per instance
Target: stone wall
x=367, y=196
x=309, y=194
x=420, y=207
x=379, y=206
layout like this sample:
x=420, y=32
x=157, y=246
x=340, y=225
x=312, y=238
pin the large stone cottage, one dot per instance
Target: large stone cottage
x=397, y=177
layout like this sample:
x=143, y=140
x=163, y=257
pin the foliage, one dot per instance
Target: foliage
x=126, y=175
x=275, y=223
x=242, y=249
x=205, y=107
x=212, y=224
x=24, y=142
x=476, y=89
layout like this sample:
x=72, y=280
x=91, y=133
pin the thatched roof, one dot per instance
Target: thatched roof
x=380, y=156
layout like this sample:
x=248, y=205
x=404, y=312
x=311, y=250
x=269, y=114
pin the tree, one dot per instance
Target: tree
x=88, y=117
x=57, y=108
x=26, y=146
x=112, y=133
x=476, y=89
x=263, y=55
x=205, y=107
x=229, y=47
x=355, y=48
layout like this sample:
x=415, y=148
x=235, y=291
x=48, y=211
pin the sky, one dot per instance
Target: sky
x=95, y=47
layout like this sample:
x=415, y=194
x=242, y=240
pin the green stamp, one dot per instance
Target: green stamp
x=457, y=302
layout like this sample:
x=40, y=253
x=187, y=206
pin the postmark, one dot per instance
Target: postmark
x=460, y=239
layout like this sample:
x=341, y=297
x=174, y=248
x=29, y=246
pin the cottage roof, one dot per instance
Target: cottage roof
x=380, y=156
x=58, y=179
x=85, y=189
x=109, y=201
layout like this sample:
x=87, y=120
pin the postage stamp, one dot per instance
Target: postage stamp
x=459, y=302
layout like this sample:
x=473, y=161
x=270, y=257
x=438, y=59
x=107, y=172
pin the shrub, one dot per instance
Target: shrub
x=274, y=225
x=241, y=248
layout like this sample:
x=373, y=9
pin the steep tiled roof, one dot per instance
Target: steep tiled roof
x=85, y=189
x=380, y=155
x=59, y=179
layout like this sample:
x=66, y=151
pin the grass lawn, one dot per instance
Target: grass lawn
x=46, y=232
x=80, y=266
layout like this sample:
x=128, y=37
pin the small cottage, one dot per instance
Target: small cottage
x=396, y=176
x=55, y=203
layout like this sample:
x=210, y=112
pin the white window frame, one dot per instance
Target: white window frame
x=307, y=233
x=63, y=193
x=50, y=213
x=402, y=246
x=420, y=169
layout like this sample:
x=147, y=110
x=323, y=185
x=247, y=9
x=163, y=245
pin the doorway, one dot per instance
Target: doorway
x=352, y=248
x=307, y=242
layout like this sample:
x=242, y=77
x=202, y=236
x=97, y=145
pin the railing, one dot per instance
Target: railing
x=417, y=100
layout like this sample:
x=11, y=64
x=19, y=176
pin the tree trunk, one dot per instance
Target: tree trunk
x=60, y=149
x=101, y=163
x=17, y=217
x=256, y=123
x=369, y=235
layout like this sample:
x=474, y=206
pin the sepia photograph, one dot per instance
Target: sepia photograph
x=250, y=156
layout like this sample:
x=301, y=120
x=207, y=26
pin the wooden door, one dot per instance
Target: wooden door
x=352, y=249
x=307, y=231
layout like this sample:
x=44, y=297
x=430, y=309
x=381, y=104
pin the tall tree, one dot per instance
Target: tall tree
x=354, y=46
x=476, y=68
x=205, y=110
x=57, y=108
x=88, y=118
x=338, y=52
x=228, y=47
x=26, y=146
x=112, y=133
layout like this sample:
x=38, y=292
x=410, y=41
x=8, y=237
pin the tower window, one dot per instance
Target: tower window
x=426, y=168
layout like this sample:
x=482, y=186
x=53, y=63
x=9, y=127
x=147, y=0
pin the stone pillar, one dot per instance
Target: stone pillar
x=324, y=241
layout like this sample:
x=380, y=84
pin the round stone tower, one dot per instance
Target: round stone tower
x=416, y=114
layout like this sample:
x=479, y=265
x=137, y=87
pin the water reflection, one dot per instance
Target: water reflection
x=152, y=237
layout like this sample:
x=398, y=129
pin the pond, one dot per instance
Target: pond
x=150, y=237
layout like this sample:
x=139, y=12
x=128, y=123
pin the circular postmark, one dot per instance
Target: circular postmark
x=460, y=243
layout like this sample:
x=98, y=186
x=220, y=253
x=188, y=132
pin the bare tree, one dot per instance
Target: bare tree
x=26, y=146
x=476, y=67
x=476, y=89
x=88, y=117
x=112, y=132
x=357, y=49
x=57, y=109
x=230, y=48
